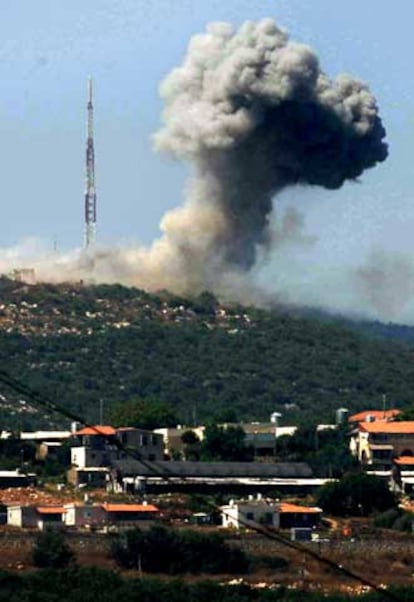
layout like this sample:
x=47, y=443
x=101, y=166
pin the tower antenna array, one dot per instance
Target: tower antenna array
x=90, y=191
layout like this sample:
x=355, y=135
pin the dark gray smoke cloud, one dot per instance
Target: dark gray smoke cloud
x=254, y=113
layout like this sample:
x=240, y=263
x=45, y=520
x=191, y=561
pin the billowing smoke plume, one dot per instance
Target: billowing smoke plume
x=254, y=113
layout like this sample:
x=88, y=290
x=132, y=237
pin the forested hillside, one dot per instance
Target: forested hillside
x=87, y=345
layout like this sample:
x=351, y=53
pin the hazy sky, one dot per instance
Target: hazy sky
x=49, y=47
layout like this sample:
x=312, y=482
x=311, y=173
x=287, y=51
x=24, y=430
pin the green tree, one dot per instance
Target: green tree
x=225, y=445
x=356, y=494
x=50, y=550
x=326, y=451
x=406, y=414
x=205, y=304
x=191, y=445
x=143, y=413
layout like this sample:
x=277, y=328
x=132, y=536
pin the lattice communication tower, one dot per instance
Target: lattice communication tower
x=90, y=191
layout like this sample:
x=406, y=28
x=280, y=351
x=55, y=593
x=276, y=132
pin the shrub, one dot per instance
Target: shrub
x=396, y=519
x=50, y=550
x=387, y=519
x=161, y=550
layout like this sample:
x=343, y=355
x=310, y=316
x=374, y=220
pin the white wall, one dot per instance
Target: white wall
x=239, y=515
x=14, y=516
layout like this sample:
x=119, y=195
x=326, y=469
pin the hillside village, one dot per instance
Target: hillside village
x=245, y=431
x=118, y=472
x=235, y=456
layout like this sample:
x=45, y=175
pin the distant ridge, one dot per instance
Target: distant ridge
x=83, y=344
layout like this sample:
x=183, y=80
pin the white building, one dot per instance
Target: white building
x=248, y=513
x=280, y=515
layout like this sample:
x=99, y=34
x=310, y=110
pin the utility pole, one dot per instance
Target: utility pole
x=90, y=191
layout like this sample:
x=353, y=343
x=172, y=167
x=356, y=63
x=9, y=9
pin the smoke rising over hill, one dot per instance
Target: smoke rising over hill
x=253, y=113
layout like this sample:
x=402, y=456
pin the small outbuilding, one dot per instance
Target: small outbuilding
x=50, y=516
x=130, y=514
x=35, y=517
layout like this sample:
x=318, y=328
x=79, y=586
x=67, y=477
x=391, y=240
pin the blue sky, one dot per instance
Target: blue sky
x=49, y=47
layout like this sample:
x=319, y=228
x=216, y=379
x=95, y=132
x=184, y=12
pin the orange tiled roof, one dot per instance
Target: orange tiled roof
x=403, y=427
x=129, y=508
x=51, y=510
x=285, y=507
x=97, y=430
x=376, y=414
x=404, y=460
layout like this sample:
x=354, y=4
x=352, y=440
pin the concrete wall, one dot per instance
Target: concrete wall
x=22, y=516
x=84, y=516
x=149, y=444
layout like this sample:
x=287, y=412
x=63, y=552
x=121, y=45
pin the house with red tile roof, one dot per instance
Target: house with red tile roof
x=377, y=443
x=281, y=515
x=374, y=415
x=98, y=430
x=110, y=514
x=100, y=446
x=81, y=515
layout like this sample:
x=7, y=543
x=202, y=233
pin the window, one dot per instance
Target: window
x=250, y=515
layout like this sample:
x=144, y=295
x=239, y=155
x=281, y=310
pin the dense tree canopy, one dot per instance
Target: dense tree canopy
x=225, y=445
x=326, y=451
x=143, y=413
x=83, y=346
x=162, y=550
x=91, y=584
x=356, y=494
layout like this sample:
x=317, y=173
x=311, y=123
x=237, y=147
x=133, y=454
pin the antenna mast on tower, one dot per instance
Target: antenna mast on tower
x=90, y=191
